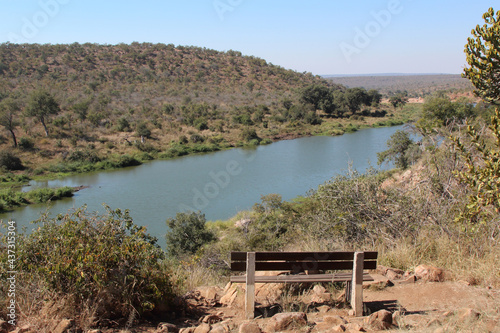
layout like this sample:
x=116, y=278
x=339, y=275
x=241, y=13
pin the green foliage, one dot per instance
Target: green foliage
x=9, y=161
x=439, y=111
x=100, y=259
x=142, y=130
x=399, y=100
x=187, y=234
x=248, y=134
x=402, y=150
x=482, y=173
x=41, y=105
x=9, y=109
x=123, y=125
x=483, y=57
x=10, y=199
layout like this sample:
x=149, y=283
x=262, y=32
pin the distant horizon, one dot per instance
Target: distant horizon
x=386, y=74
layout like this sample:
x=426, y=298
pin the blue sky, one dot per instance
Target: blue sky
x=318, y=36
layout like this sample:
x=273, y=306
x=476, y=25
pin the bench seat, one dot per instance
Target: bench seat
x=301, y=278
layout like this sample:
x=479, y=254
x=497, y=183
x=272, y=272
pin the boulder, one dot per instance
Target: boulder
x=203, y=328
x=220, y=328
x=429, y=273
x=380, y=320
x=335, y=320
x=209, y=293
x=287, y=320
x=249, y=327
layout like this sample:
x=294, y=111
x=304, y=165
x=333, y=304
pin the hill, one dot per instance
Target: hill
x=158, y=101
x=415, y=84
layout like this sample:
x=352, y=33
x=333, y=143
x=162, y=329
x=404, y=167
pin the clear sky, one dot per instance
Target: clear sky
x=318, y=36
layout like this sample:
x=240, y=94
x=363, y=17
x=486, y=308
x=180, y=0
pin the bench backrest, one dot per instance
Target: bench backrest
x=301, y=261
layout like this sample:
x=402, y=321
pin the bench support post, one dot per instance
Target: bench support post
x=250, y=286
x=357, y=284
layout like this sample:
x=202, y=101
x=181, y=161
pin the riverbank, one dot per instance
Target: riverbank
x=52, y=158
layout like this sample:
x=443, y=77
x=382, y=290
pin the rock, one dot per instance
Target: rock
x=409, y=279
x=229, y=298
x=355, y=327
x=393, y=274
x=167, y=328
x=249, y=327
x=287, y=320
x=323, y=308
x=209, y=293
x=380, y=320
x=220, y=328
x=335, y=320
x=319, y=290
x=211, y=319
x=338, y=328
x=468, y=315
x=94, y=331
x=203, y=328
x=429, y=273
x=63, y=326
x=187, y=330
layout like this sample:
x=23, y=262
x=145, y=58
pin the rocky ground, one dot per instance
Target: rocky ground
x=420, y=301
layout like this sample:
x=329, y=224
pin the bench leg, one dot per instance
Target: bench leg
x=250, y=286
x=357, y=284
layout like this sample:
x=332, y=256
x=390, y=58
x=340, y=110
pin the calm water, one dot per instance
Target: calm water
x=218, y=184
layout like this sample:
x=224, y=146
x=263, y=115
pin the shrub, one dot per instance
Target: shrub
x=101, y=260
x=9, y=161
x=187, y=234
x=26, y=143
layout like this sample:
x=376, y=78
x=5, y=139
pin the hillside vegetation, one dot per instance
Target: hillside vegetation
x=415, y=85
x=78, y=108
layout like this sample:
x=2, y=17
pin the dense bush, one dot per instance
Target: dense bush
x=9, y=161
x=104, y=261
x=187, y=234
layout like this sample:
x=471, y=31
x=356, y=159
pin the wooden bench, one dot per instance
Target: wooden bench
x=297, y=263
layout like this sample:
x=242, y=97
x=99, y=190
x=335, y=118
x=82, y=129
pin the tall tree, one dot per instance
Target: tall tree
x=483, y=56
x=41, y=105
x=482, y=158
x=9, y=110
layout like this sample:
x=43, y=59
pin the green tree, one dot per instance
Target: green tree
x=9, y=110
x=187, y=234
x=402, y=150
x=398, y=100
x=482, y=158
x=483, y=57
x=142, y=130
x=41, y=105
x=355, y=97
x=315, y=95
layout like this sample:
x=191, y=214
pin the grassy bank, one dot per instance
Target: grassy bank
x=10, y=199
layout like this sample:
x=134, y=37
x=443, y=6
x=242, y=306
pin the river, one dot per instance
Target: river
x=218, y=184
